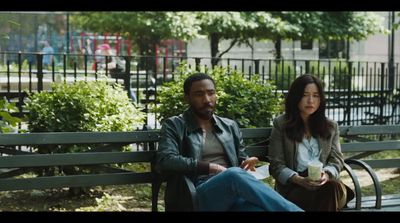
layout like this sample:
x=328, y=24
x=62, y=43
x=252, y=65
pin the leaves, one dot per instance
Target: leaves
x=252, y=103
x=8, y=122
x=83, y=106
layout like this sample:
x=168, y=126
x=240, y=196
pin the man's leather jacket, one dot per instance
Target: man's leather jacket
x=179, y=151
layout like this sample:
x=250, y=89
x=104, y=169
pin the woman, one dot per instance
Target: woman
x=301, y=135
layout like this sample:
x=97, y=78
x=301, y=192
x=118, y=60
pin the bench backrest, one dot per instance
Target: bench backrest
x=17, y=162
x=354, y=141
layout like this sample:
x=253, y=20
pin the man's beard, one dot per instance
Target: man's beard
x=205, y=115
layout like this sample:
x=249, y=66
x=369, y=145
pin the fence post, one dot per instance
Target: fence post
x=197, y=61
x=127, y=76
x=256, y=66
x=382, y=96
x=39, y=74
x=307, y=66
x=348, y=104
x=391, y=51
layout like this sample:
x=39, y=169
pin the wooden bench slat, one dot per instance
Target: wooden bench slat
x=58, y=159
x=387, y=201
x=74, y=181
x=385, y=163
x=62, y=138
x=256, y=132
x=369, y=129
x=258, y=151
x=370, y=146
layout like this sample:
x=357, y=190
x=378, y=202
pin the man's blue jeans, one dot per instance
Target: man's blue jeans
x=236, y=190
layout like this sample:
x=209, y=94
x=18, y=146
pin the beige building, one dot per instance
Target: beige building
x=374, y=48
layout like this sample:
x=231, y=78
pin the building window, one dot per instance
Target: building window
x=306, y=44
x=332, y=49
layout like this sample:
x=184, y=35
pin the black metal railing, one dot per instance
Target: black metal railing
x=358, y=92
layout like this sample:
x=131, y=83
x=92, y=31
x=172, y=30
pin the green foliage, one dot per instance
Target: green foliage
x=80, y=107
x=8, y=122
x=145, y=28
x=251, y=103
x=331, y=25
x=338, y=71
x=148, y=28
x=83, y=106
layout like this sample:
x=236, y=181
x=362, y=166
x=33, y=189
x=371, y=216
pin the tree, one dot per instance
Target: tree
x=239, y=28
x=149, y=28
x=329, y=26
x=146, y=29
x=14, y=26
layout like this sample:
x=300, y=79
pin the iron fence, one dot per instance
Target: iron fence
x=358, y=92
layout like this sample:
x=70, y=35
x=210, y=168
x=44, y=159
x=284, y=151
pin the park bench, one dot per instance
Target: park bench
x=18, y=158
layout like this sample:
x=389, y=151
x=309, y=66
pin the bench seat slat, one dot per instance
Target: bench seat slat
x=391, y=200
x=74, y=181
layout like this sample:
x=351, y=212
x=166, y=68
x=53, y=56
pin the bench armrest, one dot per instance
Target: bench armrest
x=192, y=189
x=371, y=172
x=356, y=183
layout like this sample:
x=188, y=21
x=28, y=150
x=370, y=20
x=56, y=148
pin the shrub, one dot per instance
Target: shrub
x=81, y=107
x=251, y=103
x=8, y=122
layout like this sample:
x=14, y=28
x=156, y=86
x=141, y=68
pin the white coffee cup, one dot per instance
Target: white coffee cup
x=314, y=170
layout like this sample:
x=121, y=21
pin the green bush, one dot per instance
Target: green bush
x=80, y=107
x=8, y=122
x=249, y=102
x=83, y=107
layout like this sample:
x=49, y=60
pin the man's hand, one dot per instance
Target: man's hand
x=215, y=168
x=249, y=163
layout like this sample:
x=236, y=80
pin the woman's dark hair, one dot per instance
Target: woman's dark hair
x=318, y=123
x=193, y=78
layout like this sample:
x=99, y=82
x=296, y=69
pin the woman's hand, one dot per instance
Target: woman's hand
x=310, y=184
x=249, y=163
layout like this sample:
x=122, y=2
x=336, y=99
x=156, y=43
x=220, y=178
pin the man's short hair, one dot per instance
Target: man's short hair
x=195, y=77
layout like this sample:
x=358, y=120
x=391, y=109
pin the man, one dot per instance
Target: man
x=209, y=150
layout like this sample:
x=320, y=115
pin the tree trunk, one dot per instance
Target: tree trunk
x=147, y=51
x=278, y=47
x=214, y=41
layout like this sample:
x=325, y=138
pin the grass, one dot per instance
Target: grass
x=111, y=198
x=390, y=186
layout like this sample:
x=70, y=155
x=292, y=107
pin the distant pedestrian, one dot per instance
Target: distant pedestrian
x=48, y=56
x=105, y=57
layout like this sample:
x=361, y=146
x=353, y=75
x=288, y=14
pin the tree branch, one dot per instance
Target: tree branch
x=229, y=48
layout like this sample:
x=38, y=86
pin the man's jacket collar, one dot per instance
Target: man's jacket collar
x=192, y=125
